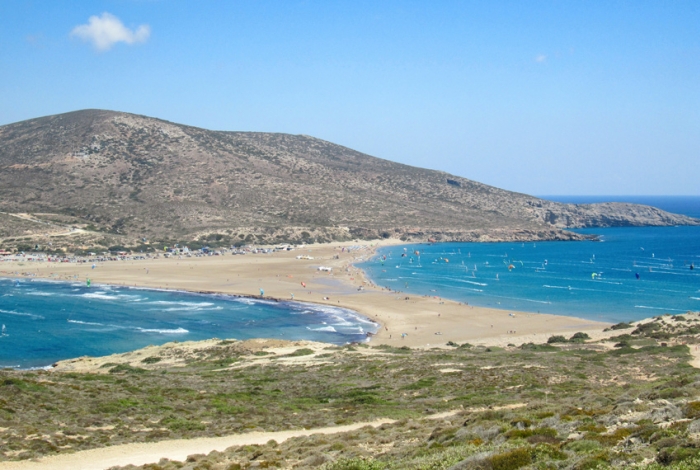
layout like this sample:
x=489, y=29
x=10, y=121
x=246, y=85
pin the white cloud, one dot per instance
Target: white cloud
x=541, y=58
x=106, y=30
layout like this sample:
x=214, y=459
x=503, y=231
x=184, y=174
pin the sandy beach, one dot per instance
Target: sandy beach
x=405, y=319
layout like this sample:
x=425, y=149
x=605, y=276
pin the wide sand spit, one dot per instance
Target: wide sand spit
x=404, y=319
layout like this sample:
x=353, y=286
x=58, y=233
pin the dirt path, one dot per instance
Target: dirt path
x=177, y=449
x=695, y=352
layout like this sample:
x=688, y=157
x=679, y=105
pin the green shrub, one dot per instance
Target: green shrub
x=671, y=455
x=612, y=438
x=547, y=452
x=591, y=427
x=511, y=460
x=180, y=424
x=421, y=383
x=621, y=326
x=583, y=446
x=538, y=347
x=594, y=462
x=356, y=463
x=579, y=335
x=302, y=352
x=556, y=339
x=126, y=369
x=151, y=360
x=692, y=410
x=525, y=433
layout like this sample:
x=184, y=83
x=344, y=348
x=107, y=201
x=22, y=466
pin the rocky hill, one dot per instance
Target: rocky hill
x=136, y=176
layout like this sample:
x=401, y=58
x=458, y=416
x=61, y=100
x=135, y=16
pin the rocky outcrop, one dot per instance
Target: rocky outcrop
x=610, y=214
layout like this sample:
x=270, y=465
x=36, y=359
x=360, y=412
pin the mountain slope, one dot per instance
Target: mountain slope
x=141, y=176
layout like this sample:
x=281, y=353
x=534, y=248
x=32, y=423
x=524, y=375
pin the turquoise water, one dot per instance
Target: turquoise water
x=632, y=273
x=49, y=321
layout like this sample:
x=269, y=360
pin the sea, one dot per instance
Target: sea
x=629, y=274
x=46, y=321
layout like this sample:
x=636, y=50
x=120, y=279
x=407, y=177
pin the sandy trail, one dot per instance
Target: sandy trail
x=177, y=449
x=695, y=352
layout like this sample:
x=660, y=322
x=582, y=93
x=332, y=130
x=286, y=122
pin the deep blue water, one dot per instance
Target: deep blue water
x=595, y=280
x=49, y=321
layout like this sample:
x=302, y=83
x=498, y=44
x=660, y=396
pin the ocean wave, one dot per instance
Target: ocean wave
x=186, y=309
x=80, y=322
x=524, y=299
x=659, y=308
x=177, y=331
x=357, y=331
x=41, y=294
x=21, y=314
x=248, y=301
x=100, y=295
x=178, y=303
x=323, y=328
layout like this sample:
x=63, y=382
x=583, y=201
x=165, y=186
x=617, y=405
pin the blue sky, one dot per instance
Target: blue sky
x=540, y=97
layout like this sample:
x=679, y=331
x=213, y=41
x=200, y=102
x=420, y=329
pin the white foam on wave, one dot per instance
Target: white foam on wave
x=101, y=295
x=323, y=328
x=341, y=321
x=245, y=301
x=179, y=303
x=524, y=299
x=185, y=309
x=356, y=330
x=659, y=308
x=695, y=298
x=40, y=294
x=80, y=322
x=21, y=314
x=177, y=331
x=572, y=288
x=98, y=295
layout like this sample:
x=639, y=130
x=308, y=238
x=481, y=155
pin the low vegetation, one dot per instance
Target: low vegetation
x=570, y=405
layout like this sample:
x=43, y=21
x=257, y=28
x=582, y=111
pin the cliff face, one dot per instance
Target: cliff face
x=141, y=176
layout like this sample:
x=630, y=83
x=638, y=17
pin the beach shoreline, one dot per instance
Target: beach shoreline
x=404, y=319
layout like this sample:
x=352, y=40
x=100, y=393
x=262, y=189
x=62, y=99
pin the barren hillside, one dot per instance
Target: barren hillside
x=143, y=177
